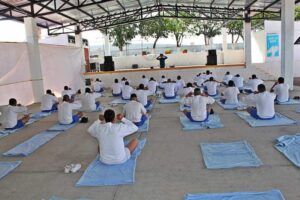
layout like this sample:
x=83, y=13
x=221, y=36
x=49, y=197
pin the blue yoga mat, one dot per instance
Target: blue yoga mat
x=268, y=195
x=230, y=106
x=145, y=126
x=229, y=155
x=118, y=101
x=165, y=101
x=289, y=145
x=99, y=174
x=7, y=167
x=214, y=121
x=32, y=144
x=279, y=120
x=289, y=102
x=61, y=127
x=150, y=107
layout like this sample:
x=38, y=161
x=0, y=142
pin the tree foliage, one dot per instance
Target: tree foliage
x=154, y=29
x=179, y=28
x=208, y=29
x=122, y=35
x=297, y=13
x=235, y=28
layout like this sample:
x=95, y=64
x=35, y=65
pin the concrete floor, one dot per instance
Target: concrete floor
x=170, y=165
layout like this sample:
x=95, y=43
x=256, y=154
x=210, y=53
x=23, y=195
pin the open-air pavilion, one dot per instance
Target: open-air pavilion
x=171, y=163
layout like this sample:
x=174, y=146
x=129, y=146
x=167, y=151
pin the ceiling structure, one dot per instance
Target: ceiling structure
x=69, y=16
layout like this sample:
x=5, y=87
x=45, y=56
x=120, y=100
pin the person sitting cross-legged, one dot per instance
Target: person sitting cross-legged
x=152, y=86
x=10, y=115
x=88, y=100
x=116, y=88
x=98, y=86
x=198, y=103
x=281, y=90
x=264, y=104
x=227, y=77
x=169, y=89
x=142, y=95
x=126, y=91
x=135, y=111
x=230, y=94
x=49, y=102
x=110, y=131
x=252, y=84
x=65, y=111
x=211, y=87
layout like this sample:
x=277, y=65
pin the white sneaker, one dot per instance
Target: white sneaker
x=68, y=169
x=75, y=167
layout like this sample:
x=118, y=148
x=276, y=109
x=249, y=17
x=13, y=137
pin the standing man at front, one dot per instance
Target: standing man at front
x=162, y=60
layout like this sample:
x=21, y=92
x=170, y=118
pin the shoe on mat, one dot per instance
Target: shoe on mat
x=75, y=167
x=68, y=169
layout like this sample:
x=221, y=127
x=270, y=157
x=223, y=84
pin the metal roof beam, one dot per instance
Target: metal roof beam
x=250, y=4
x=101, y=7
x=139, y=3
x=78, y=8
x=121, y=5
x=212, y=2
x=271, y=4
x=231, y=3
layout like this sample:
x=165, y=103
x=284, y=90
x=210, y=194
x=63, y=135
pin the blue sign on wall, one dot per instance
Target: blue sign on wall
x=272, y=45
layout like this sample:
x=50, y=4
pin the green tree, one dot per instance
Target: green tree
x=207, y=28
x=154, y=29
x=297, y=13
x=179, y=28
x=235, y=28
x=122, y=35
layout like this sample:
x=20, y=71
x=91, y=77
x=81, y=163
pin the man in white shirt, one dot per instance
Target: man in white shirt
x=230, y=94
x=162, y=80
x=238, y=82
x=211, y=87
x=88, y=100
x=199, y=80
x=152, y=86
x=169, y=89
x=123, y=81
x=68, y=91
x=135, y=111
x=281, y=90
x=264, y=104
x=10, y=115
x=98, y=86
x=180, y=83
x=116, y=88
x=65, y=111
x=49, y=102
x=144, y=81
x=142, y=96
x=126, y=91
x=228, y=77
x=252, y=84
x=198, y=103
x=188, y=89
x=110, y=132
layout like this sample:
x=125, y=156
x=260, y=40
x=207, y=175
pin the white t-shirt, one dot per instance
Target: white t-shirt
x=204, y=77
x=48, y=101
x=65, y=111
x=161, y=83
x=264, y=103
x=142, y=96
x=116, y=88
x=70, y=93
x=187, y=90
x=238, y=81
x=282, y=92
x=126, y=91
x=169, y=89
x=10, y=115
x=144, y=81
x=180, y=84
x=231, y=95
x=198, y=106
x=211, y=87
x=133, y=111
x=199, y=81
x=227, y=78
x=253, y=83
x=88, y=101
x=152, y=85
x=111, y=140
x=98, y=86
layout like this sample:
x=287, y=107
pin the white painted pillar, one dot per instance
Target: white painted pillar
x=78, y=40
x=107, y=50
x=34, y=58
x=287, y=41
x=224, y=34
x=247, y=44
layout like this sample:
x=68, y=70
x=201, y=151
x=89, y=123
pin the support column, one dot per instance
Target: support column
x=107, y=51
x=247, y=43
x=287, y=41
x=224, y=34
x=34, y=58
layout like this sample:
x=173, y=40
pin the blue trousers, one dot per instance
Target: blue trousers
x=253, y=113
x=189, y=116
x=54, y=108
x=173, y=97
x=143, y=120
x=19, y=124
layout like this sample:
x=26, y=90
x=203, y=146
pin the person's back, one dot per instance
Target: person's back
x=133, y=110
x=227, y=77
x=126, y=91
x=238, y=81
x=98, y=86
x=187, y=90
x=142, y=96
x=48, y=101
x=231, y=95
x=265, y=104
x=152, y=86
x=88, y=101
x=199, y=106
x=65, y=110
x=253, y=83
x=282, y=92
x=144, y=81
x=211, y=87
x=169, y=89
x=10, y=115
x=116, y=88
x=180, y=83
